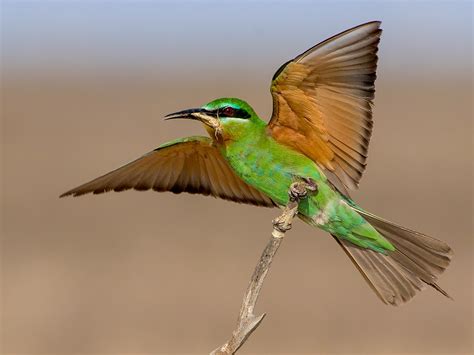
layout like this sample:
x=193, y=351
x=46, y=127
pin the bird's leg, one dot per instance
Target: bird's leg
x=248, y=321
x=298, y=191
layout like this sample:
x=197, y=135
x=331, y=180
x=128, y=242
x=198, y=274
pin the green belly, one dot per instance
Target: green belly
x=272, y=168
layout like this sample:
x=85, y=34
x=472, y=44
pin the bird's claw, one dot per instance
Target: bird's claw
x=299, y=189
x=310, y=184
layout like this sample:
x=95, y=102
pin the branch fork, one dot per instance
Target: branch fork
x=248, y=321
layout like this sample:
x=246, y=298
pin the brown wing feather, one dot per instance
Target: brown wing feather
x=190, y=165
x=322, y=102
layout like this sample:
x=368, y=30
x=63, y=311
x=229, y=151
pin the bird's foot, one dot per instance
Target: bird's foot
x=299, y=189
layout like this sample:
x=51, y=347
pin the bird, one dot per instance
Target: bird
x=319, y=130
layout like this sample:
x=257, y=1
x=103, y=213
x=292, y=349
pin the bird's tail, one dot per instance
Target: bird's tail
x=396, y=276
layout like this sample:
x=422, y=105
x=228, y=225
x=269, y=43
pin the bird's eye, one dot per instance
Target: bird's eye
x=228, y=111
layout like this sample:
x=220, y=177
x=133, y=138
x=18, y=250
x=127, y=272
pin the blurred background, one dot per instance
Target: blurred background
x=85, y=85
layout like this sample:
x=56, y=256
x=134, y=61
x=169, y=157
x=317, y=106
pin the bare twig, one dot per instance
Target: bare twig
x=248, y=321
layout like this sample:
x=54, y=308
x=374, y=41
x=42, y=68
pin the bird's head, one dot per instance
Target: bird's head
x=225, y=118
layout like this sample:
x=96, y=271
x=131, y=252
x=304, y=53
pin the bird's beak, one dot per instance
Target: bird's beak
x=209, y=118
x=191, y=114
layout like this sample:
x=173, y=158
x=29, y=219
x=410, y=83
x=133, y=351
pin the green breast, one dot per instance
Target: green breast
x=271, y=168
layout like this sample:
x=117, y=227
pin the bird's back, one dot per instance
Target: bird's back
x=271, y=167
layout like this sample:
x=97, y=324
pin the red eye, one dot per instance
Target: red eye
x=228, y=111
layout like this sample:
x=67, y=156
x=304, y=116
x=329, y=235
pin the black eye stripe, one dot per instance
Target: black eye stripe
x=234, y=112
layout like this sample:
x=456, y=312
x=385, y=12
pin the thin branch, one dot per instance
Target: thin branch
x=248, y=321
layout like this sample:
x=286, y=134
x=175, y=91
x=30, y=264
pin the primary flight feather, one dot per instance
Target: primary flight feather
x=320, y=129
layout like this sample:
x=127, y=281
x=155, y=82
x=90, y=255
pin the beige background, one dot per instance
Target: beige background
x=138, y=272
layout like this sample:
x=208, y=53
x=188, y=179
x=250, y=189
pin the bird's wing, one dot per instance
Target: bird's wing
x=322, y=102
x=190, y=164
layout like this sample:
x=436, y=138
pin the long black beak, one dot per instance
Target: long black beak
x=186, y=114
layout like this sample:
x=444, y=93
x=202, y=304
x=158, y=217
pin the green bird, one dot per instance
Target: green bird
x=320, y=129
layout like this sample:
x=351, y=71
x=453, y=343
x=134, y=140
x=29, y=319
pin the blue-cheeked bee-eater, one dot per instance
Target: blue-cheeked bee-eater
x=320, y=130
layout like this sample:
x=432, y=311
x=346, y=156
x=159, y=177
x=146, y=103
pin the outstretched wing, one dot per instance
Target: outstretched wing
x=190, y=164
x=322, y=102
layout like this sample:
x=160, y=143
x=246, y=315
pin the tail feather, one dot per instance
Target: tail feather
x=391, y=284
x=398, y=275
